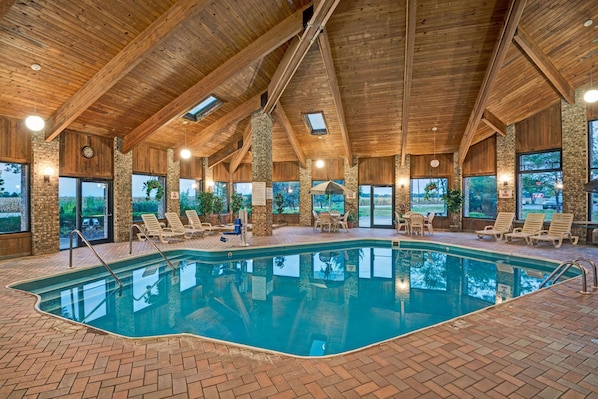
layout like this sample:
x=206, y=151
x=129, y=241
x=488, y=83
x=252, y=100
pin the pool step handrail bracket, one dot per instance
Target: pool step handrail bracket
x=136, y=226
x=562, y=269
x=94, y=252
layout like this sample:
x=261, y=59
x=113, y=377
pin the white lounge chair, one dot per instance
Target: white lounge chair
x=196, y=222
x=416, y=223
x=559, y=230
x=177, y=225
x=152, y=228
x=428, y=223
x=503, y=224
x=401, y=223
x=533, y=225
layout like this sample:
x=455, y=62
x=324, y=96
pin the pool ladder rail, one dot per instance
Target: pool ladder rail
x=135, y=226
x=94, y=252
x=565, y=266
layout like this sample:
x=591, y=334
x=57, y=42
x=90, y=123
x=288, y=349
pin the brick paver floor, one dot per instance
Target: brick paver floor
x=544, y=345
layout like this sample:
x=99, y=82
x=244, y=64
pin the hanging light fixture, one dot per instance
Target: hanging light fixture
x=590, y=96
x=320, y=162
x=35, y=122
x=185, y=152
x=434, y=162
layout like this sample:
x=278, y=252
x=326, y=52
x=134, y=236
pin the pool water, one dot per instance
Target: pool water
x=309, y=301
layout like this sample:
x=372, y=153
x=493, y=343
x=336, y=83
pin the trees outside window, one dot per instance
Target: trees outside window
x=288, y=194
x=480, y=197
x=426, y=195
x=14, y=200
x=189, y=189
x=328, y=202
x=148, y=195
x=539, y=180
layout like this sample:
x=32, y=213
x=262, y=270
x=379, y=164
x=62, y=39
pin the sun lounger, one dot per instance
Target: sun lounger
x=559, y=230
x=152, y=228
x=532, y=226
x=196, y=222
x=503, y=224
x=177, y=225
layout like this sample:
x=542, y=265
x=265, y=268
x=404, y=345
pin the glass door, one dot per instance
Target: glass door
x=85, y=205
x=376, y=206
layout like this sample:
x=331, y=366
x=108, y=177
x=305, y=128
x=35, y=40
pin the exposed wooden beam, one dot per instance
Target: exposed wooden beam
x=281, y=115
x=410, y=14
x=236, y=161
x=232, y=148
x=119, y=66
x=258, y=49
x=5, y=5
x=498, y=55
x=235, y=116
x=531, y=49
x=493, y=122
x=287, y=68
x=326, y=53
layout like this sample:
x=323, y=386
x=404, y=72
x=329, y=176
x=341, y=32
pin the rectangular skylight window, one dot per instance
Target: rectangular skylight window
x=203, y=108
x=316, y=123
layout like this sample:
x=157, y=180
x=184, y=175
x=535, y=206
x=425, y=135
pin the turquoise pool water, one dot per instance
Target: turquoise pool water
x=308, y=300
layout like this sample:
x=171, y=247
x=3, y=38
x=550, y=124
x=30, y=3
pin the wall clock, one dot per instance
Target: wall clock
x=88, y=152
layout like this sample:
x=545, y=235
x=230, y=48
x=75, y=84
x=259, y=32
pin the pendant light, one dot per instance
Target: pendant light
x=590, y=96
x=320, y=163
x=434, y=162
x=185, y=152
x=35, y=122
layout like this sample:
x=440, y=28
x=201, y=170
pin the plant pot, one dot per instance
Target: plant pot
x=454, y=227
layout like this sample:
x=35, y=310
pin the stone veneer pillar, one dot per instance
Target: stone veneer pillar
x=305, y=198
x=208, y=176
x=45, y=223
x=261, y=171
x=402, y=177
x=575, y=148
x=351, y=182
x=173, y=183
x=505, y=168
x=122, y=192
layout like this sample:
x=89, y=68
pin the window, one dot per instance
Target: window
x=286, y=197
x=245, y=190
x=480, y=197
x=220, y=191
x=189, y=189
x=539, y=182
x=14, y=201
x=426, y=195
x=593, y=136
x=202, y=109
x=148, y=195
x=316, y=123
x=328, y=202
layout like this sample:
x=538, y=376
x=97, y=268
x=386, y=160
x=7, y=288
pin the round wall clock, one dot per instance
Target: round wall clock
x=88, y=152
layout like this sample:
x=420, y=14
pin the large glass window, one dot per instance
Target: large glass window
x=328, y=202
x=426, y=195
x=286, y=197
x=221, y=191
x=189, y=190
x=245, y=190
x=593, y=135
x=539, y=184
x=148, y=195
x=480, y=197
x=14, y=200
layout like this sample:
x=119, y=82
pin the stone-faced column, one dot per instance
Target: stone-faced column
x=505, y=168
x=123, y=192
x=305, y=216
x=172, y=183
x=351, y=182
x=402, y=183
x=261, y=171
x=575, y=148
x=45, y=223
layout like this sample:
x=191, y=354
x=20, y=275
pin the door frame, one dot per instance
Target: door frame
x=372, y=205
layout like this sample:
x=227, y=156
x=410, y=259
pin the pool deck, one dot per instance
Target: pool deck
x=544, y=345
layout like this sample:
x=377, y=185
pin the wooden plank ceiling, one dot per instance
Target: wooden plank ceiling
x=130, y=69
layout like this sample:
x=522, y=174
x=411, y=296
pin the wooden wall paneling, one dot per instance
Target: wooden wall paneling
x=592, y=111
x=15, y=244
x=243, y=174
x=15, y=141
x=148, y=160
x=285, y=171
x=334, y=169
x=73, y=163
x=420, y=166
x=376, y=170
x=542, y=131
x=221, y=172
x=191, y=168
x=481, y=158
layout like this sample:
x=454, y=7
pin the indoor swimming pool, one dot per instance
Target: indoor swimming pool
x=305, y=300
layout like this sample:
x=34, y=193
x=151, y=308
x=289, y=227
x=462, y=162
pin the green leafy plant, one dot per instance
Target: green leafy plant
x=429, y=189
x=236, y=203
x=205, y=203
x=151, y=185
x=218, y=207
x=453, y=200
x=279, y=203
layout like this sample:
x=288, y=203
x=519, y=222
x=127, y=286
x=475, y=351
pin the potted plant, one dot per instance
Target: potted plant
x=236, y=203
x=430, y=189
x=454, y=201
x=279, y=204
x=205, y=205
x=151, y=185
x=218, y=207
x=351, y=219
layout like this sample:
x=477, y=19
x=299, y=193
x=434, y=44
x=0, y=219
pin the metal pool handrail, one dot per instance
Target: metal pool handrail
x=562, y=269
x=94, y=252
x=135, y=226
x=593, y=265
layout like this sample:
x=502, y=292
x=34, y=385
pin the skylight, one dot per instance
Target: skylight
x=316, y=123
x=202, y=109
